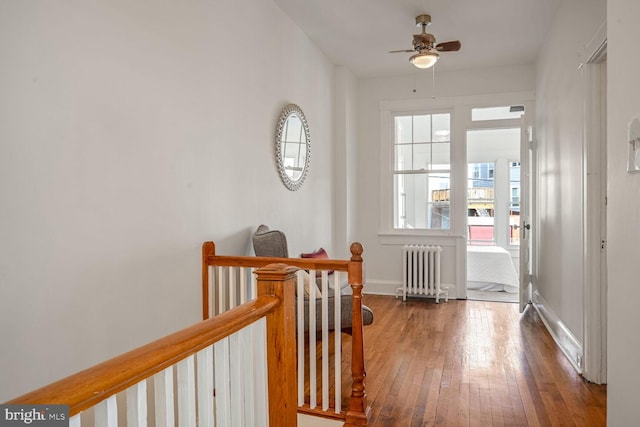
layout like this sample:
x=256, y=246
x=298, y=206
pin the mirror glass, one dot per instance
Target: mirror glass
x=293, y=146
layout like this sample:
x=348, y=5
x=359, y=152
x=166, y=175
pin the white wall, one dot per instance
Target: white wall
x=623, y=230
x=130, y=133
x=384, y=271
x=559, y=126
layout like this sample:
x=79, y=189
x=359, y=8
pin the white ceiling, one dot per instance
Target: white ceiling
x=359, y=33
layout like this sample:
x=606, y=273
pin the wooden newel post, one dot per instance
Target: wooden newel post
x=357, y=414
x=278, y=280
x=208, y=250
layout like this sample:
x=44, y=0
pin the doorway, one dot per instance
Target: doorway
x=493, y=213
x=595, y=223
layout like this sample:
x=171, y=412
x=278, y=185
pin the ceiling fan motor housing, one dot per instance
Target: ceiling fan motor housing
x=423, y=41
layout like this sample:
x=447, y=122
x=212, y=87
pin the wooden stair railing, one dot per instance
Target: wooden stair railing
x=358, y=410
x=275, y=302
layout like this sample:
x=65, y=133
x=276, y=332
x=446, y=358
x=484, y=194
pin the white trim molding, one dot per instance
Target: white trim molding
x=390, y=287
x=564, y=338
x=594, y=207
x=453, y=238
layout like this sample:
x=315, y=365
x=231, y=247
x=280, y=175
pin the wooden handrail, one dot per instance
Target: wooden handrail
x=209, y=258
x=304, y=263
x=91, y=386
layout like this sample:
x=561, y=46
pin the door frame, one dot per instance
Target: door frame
x=526, y=125
x=594, y=195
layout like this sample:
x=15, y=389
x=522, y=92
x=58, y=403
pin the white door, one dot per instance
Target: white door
x=527, y=164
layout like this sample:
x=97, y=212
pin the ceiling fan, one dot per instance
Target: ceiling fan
x=428, y=52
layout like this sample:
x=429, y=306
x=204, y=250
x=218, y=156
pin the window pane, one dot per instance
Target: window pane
x=514, y=205
x=421, y=148
x=421, y=156
x=403, y=129
x=418, y=202
x=422, y=128
x=440, y=156
x=404, y=158
x=480, y=203
x=441, y=127
x=497, y=113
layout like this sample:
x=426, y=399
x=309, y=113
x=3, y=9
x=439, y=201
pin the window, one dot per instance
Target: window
x=423, y=165
x=515, y=195
x=421, y=173
x=493, y=186
x=480, y=202
x=497, y=113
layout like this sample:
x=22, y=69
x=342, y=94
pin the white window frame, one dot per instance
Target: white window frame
x=427, y=172
x=460, y=110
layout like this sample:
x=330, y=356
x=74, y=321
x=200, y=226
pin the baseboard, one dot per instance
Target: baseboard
x=380, y=287
x=390, y=287
x=566, y=341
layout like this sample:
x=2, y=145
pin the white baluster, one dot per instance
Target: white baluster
x=261, y=396
x=223, y=404
x=243, y=285
x=254, y=285
x=236, y=381
x=75, y=421
x=232, y=288
x=106, y=413
x=204, y=360
x=163, y=391
x=186, y=393
x=221, y=284
x=247, y=348
x=313, y=399
x=137, y=405
x=325, y=338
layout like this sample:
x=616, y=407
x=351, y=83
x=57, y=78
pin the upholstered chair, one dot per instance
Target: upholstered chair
x=273, y=243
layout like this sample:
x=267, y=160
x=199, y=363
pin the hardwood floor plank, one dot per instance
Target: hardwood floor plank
x=470, y=363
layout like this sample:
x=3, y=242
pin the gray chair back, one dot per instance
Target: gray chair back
x=270, y=243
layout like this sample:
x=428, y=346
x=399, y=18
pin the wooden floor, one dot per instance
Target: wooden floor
x=470, y=363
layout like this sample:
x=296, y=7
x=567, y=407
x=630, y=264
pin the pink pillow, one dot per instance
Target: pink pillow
x=320, y=254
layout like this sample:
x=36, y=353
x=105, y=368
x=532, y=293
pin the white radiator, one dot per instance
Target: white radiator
x=421, y=272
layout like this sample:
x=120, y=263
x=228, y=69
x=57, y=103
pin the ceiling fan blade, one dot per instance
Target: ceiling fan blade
x=404, y=50
x=451, y=46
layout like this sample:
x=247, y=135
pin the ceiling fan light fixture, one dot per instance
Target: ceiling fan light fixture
x=424, y=59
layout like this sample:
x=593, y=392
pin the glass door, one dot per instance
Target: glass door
x=493, y=187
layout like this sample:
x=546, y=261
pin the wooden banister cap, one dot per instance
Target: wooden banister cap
x=276, y=272
x=356, y=251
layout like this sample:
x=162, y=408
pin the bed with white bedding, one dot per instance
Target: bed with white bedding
x=490, y=268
